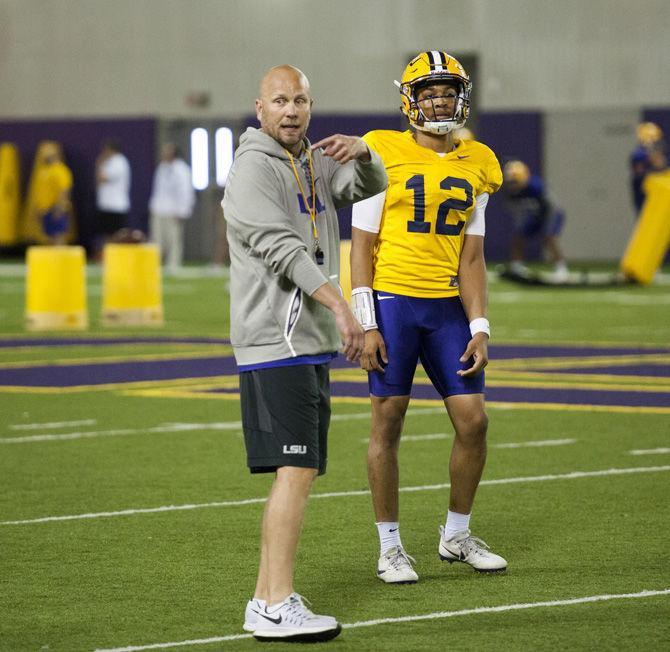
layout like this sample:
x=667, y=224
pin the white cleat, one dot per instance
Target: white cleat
x=560, y=275
x=470, y=550
x=291, y=620
x=395, y=567
x=519, y=269
x=254, y=607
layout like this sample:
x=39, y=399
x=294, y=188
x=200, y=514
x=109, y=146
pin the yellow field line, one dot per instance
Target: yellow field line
x=565, y=362
x=216, y=381
x=360, y=400
x=545, y=381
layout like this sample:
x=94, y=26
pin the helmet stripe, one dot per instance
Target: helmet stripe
x=437, y=62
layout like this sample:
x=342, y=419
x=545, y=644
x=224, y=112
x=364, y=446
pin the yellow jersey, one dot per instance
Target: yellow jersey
x=53, y=180
x=428, y=201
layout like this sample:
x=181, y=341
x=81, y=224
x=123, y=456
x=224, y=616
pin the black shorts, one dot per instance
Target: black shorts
x=285, y=416
x=109, y=222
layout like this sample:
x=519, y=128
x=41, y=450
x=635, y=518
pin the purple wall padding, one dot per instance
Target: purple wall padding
x=81, y=141
x=517, y=134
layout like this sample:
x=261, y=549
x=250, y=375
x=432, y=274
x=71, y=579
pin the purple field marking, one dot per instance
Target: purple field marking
x=103, y=373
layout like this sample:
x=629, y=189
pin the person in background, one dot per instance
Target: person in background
x=649, y=156
x=420, y=292
x=221, y=253
x=287, y=320
x=112, y=177
x=463, y=133
x=171, y=204
x=52, y=201
x=534, y=214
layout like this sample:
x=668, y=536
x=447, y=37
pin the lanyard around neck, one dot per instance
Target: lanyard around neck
x=311, y=208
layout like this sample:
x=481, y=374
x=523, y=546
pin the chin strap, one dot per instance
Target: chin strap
x=440, y=127
x=363, y=307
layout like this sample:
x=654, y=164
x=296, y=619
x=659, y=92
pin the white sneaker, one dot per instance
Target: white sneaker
x=519, y=269
x=291, y=620
x=395, y=567
x=470, y=550
x=254, y=607
x=560, y=274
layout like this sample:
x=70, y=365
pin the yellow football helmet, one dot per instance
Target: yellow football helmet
x=649, y=133
x=516, y=174
x=431, y=67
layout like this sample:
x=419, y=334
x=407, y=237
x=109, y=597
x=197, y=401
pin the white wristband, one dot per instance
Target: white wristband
x=363, y=307
x=480, y=325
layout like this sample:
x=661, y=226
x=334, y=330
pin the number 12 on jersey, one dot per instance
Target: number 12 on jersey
x=419, y=224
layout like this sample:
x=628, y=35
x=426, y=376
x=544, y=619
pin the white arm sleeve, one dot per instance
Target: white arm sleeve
x=366, y=215
x=477, y=224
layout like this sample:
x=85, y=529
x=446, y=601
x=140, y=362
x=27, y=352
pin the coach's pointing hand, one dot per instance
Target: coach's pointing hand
x=344, y=148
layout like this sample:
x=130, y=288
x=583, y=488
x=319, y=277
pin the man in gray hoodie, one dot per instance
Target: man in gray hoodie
x=288, y=320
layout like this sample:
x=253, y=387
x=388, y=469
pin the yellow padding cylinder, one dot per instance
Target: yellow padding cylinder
x=56, y=288
x=10, y=197
x=651, y=237
x=131, y=285
x=345, y=269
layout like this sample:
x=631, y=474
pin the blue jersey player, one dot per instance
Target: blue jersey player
x=535, y=215
x=648, y=156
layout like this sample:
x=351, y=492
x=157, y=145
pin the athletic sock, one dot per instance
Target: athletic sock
x=456, y=523
x=389, y=535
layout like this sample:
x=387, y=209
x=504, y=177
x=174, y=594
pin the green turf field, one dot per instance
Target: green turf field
x=128, y=520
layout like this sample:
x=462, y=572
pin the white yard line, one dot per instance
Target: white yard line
x=533, y=444
x=410, y=412
x=429, y=437
x=163, y=428
x=53, y=424
x=650, y=451
x=521, y=444
x=574, y=475
x=519, y=606
x=410, y=438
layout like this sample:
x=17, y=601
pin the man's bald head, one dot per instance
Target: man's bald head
x=285, y=73
x=284, y=105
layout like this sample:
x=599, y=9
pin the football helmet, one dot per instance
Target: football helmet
x=649, y=133
x=516, y=174
x=434, y=66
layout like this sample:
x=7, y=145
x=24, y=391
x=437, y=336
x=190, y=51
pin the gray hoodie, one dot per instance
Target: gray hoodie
x=272, y=266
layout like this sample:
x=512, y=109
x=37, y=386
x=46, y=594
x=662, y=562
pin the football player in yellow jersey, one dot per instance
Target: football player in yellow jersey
x=52, y=202
x=419, y=290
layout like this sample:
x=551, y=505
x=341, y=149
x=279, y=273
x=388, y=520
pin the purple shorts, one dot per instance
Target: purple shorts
x=435, y=331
